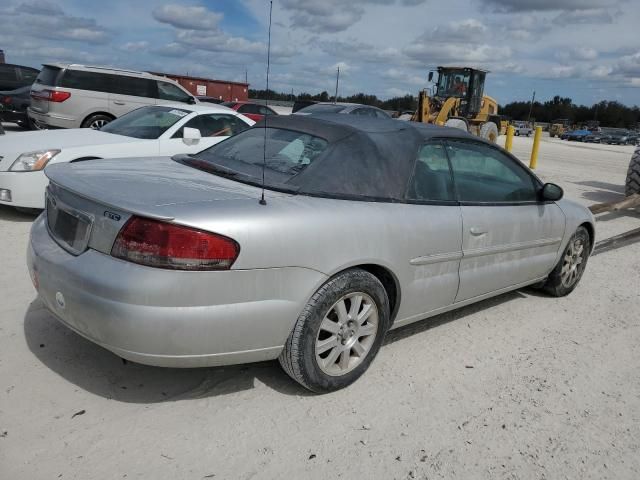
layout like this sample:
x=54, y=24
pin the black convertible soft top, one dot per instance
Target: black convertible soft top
x=367, y=158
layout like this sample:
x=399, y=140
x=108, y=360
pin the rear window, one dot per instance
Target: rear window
x=322, y=109
x=287, y=154
x=48, y=76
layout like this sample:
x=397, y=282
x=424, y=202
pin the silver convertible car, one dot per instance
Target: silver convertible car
x=363, y=225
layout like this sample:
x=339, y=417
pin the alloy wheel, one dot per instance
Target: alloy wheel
x=572, y=264
x=98, y=124
x=347, y=333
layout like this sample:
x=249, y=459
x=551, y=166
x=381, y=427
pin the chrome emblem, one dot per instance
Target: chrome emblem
x=60, y=300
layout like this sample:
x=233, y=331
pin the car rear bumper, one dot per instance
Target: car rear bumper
x=169, y=318
x=27, y=188
x=53, y=120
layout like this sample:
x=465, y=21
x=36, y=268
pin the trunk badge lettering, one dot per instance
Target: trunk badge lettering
x=112, y=216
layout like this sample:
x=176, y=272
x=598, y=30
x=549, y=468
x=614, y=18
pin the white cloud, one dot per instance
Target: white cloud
x=597, y=16
x=531, y=5
x=577, y=53
x=135, y=46
x=44, y=19
x=469, y=30
x=323, y=16
x=188, y=17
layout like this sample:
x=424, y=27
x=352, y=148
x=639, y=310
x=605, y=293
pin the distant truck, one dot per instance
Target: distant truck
x=522, y=129
x=559, y=127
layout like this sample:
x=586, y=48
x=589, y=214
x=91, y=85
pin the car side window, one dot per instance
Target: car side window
x=483, y=174
x=431, y=180
x=249, y=108
x=82, y=80
x=214, y=125
x=167, y=91
x=134, y=86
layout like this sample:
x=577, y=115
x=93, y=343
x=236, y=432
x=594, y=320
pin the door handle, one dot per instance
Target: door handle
x=118, y=102
x=477, y=231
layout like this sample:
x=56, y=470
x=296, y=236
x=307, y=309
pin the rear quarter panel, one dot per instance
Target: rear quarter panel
x=332, y=235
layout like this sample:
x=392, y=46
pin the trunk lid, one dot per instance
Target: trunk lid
x=147, y=186
x=89, y=202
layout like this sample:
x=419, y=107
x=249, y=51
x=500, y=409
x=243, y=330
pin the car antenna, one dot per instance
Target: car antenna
x=266, y=102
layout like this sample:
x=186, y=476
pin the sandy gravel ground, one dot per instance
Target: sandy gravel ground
x=522, y=386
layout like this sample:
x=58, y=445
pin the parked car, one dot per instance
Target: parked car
x=146, y=132
x=205, y=99
x=618, y=138
x=75, y=96
x=13, y=106
x=189, y=267
x=577, y=135
x=13, y=77
x=522, y=129
x=254, y=111
x=348, y=108
x=596, y=137
x=633, y=138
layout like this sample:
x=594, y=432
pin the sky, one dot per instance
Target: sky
x=588, y=50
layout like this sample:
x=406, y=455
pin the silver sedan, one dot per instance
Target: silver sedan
x=305, y=239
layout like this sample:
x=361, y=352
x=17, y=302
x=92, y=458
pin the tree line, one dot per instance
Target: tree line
x=608, y=113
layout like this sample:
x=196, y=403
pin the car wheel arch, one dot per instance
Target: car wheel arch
x=591, y=231
x=97, y=112
x=384, y=274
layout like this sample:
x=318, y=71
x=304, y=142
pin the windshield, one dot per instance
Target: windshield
x=146, y=122
x=322, y=108
x=453, y=84
x=287, y=154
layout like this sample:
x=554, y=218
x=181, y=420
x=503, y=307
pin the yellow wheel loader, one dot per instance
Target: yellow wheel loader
x=457, y=101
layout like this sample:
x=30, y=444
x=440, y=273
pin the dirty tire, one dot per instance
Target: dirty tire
x=457, y=123
x=299, y=358
x=554, y=285
x=96, y=121
x=633, y=175
x=489, y=131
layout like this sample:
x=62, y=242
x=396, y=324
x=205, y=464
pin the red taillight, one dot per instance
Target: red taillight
x=5, y=100
x=166, y=245
x=51, y=95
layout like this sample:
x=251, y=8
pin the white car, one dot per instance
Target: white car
x=152, y=131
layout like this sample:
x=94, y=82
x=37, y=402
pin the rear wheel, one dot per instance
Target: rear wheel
x=568, y=272
x=489, y=131
x=96, y=121
x=338, y=333
x=633, y=175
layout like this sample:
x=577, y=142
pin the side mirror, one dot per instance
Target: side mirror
x=191, y=136
x=551, y=192
x=430, y=76
x=191, y=101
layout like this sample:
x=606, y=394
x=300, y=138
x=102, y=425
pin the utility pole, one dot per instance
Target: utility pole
x=335, y=98
x=246, y=76
x=531, y=107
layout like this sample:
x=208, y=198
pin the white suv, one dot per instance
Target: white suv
x=73, y=96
